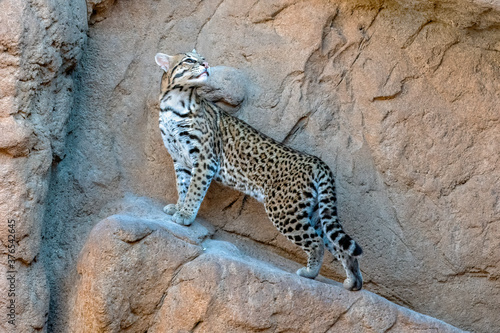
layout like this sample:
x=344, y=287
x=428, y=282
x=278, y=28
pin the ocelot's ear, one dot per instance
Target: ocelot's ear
x=163, y=60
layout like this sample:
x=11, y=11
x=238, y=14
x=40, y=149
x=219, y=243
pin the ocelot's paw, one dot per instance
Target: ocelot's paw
x=354, y=279
x=307, y=273
x=353, y=284
x=182, y=218
x=170, y=209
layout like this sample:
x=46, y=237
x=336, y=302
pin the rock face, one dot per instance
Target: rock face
x=399, y=98
x=40, y=44
x=139, y=273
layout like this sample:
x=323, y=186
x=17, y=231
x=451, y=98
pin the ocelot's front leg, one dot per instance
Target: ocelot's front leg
x=201, y=178
x=183, y=177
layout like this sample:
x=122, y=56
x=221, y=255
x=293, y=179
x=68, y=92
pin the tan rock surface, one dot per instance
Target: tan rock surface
x=400, y=98
x=40, y=42
x=141, y=273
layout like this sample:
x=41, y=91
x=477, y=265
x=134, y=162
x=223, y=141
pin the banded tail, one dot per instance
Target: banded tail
x=334, y=234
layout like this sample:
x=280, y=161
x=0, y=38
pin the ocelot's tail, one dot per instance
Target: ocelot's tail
x=336, y=240
x=334, y=234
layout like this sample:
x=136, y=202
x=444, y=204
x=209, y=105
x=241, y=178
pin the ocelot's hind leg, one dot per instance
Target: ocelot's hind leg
x=354, y=280
x=297, y=228
x=315, y=254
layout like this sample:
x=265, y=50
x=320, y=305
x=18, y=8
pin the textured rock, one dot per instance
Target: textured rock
x=226, y=86
x=124, y=267
x=400, y=98
x=141, y=273
x=97, y=9
x=40, y=43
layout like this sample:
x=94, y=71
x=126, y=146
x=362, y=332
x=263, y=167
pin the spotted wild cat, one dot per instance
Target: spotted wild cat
x=206, y=144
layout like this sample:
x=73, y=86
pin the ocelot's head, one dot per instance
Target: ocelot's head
x=183, y=69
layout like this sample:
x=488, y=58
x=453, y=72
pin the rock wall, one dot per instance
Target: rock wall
x=399, y=98
x=40, y=44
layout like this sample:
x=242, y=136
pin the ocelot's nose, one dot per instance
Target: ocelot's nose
x=205, y=64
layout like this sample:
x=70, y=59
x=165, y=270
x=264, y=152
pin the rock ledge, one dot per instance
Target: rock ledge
x=146, y=273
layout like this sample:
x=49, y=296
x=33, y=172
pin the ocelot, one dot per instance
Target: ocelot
x=206, y=143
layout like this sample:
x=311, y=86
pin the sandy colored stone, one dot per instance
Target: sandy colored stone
x=124, y=269
x=16, y=138
x=40, y=42
x=97, y=10
x=399, y=98
x=227, y=87
x=145, y=273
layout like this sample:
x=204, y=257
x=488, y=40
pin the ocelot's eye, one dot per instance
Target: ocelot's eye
x=189, y=61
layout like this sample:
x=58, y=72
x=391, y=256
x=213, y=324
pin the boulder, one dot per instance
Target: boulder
x=142, y=272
